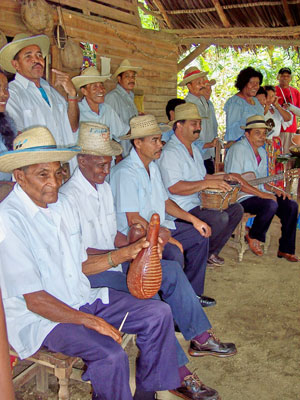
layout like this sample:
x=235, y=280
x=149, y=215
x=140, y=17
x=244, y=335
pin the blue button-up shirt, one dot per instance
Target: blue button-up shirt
x=176, y=164
x=135, y=191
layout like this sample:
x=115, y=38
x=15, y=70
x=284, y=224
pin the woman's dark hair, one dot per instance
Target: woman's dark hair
x=269, y=87
x=245, y=75
x=7, y=130
x=262, y=90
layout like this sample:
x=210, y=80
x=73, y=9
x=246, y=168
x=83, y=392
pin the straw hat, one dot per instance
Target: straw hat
x=211, y=82
x=94, y=139
x=186, y=111
x=89, y=75
x=19, y=42
x=256, y=121
x=190, y=74
x=125, y=66
x=142, y=126
x=34, y=146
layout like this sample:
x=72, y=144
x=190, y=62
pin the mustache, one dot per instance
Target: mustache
x=34, y=65
x=196, y=131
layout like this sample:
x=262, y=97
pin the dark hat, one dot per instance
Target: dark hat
x=285, y=70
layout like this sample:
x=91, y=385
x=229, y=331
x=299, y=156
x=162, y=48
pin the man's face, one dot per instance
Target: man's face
x=127, y=80
x=149, y=148
x=270, y=97
x=262, y=99
x=189, y=130
x=256, y=137
x=94, y=92
x=41, y=182
x=30, y=63
x=252, y=87
x=284, y=79
x=4, y=94
x=207, y=91
x=197, y=86
x=94, y=168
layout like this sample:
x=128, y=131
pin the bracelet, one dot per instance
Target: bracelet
x=70, y=98
x=110, y=260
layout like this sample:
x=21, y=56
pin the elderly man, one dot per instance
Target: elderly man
x=121, y=99
x=199, y=93
x=287, y=95
x=138, y=192
x=184, y=176
x=248, y=155
x=47, y=297
x=32, y=100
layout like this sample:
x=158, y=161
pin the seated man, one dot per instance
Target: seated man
x=138, y=192
x=47, y=298
x=248, y=155
x=184, y=175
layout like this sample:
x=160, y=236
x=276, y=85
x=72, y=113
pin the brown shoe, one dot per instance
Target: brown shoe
x=287, y=256
x=254, y=245
x=193, y=388
x=215, y=260
x=212, y=347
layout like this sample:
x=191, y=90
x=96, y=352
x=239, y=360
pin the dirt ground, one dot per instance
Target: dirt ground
x=258, y=303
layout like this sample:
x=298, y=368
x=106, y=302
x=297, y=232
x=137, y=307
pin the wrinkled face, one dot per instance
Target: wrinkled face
x=30, y=63
x=149, y=148
x=127, y=80
x=256, y=137
x=94, y=168
x=190, y=130
x=251, y=88
x=197, y=86
x=4, y=95
x=262, y=99
x=94, y=92
x=284, y=79
x=41, y=182
x=270, y=97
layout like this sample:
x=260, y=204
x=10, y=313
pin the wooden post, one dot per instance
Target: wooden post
x=188, y=59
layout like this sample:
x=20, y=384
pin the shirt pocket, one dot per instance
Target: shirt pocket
x=44, y=261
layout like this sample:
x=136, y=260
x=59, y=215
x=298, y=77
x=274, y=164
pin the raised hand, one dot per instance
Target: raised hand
x=63, y=79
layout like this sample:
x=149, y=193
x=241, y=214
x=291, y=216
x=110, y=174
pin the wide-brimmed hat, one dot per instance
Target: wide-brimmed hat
x=35, y=146
x=190, y=74
x=94, y=139
x=19, y=42
x=125, y=66
x=142, y=126
x=211, y=82
x=89, y=75
x=256, y=121
x=186, y=111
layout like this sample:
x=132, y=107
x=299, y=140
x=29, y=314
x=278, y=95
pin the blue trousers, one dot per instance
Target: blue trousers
x=176, y=291
x=107, y=363
x=195, y=248
x=265, y=209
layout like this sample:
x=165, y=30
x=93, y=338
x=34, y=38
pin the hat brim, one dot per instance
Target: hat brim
x=191, y=78
x=79, y=81
x=113, y=149
x=11, y=160
x=123, y=69
x=129, y=136
x=8, y=52
x=257, y=125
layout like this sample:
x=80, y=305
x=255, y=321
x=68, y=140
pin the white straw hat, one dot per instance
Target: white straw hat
x=125, y=66
x=142, y=126
x=89, y=75
x=256, y=121
x=190, y=74
x=94, y=139
x=19, y=42
x=35, y=146
x=186, y=111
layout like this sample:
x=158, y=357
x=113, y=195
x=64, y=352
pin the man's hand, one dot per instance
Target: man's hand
x=233, y=177
x=63, y=79
x=281, y=193
x=268, y=196
x=134, y=248
x=217, y=184
x=202, y=227
x=178, y=244
x=102, y=327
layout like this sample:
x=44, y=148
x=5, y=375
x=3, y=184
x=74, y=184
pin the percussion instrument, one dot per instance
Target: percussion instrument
x=145, y=275
x=216, y=199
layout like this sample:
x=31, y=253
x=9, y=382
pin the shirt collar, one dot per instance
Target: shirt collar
x=138, y=162
x=175, y=139
x=26, y=82
x=86, y=106
x=85, y=185
x=124, y=92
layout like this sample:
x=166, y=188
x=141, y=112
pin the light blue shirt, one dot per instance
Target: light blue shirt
x=241, y=158
x=209, y=126
x=135, y=191
x=166, y=136
x=123, y=104
x=176, y=164
x=237, y=111
x=42, y=250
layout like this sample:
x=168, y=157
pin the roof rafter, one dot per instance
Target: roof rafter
x=195, y=53
x=287, y=13
x=240, y=42
x=221, y=13
x=163, y=13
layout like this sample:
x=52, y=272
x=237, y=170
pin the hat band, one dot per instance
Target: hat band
x=257, y=121
x=192, y=73
x=52, y=146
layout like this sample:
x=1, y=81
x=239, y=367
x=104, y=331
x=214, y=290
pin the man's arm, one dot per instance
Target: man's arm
x=185, y=188
x=49, y=307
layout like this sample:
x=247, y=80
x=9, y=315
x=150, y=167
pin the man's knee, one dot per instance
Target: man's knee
x=171, y=271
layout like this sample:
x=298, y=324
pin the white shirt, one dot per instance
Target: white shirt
x=96, y=212
x=40, y=253
x=278, y=121
x=176, y=164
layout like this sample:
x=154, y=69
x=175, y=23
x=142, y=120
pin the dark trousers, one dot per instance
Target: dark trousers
x=107, y=363
x=265, y=209
x=222, y=224
x=195, y=254
x=209, y=166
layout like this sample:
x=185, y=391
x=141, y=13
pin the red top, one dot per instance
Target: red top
x=289, y=95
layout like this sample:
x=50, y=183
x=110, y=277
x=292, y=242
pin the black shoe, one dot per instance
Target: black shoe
x=212, y=347
x=193, y=388
x=206, y=301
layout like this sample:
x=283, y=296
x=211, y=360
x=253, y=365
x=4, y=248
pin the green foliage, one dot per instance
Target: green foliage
x=147, y=21
x=224, y=64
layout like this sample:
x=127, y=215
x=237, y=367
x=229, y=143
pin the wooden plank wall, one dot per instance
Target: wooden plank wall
x=153, y=51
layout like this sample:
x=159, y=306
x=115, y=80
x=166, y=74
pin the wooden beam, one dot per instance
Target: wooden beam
x=287, y=13
x=241, y=42
x=237, y=32
x=188, y=59
x=163, y=13
x=221, y=14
